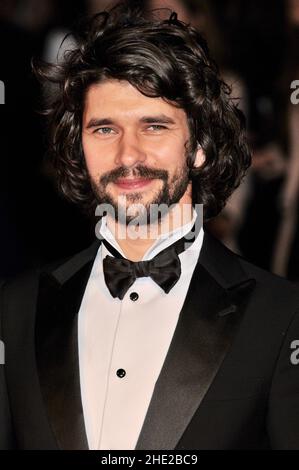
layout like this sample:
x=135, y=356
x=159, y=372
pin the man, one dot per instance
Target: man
x=145, y=341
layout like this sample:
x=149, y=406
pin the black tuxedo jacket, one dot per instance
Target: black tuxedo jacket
x=227, y=382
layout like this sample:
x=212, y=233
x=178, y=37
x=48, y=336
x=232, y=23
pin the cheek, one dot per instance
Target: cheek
x=93, y=157
x=171, y=156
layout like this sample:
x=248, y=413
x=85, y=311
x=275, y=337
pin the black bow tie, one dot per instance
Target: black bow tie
x=165, y=268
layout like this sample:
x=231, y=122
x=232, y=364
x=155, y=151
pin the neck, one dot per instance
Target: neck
x=136, y=240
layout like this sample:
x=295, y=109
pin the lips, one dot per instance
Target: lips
x=126, y=183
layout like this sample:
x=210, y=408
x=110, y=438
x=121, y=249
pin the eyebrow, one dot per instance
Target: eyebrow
x=160, y=118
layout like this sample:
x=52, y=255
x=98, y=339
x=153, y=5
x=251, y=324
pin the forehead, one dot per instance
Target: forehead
x=120, y=98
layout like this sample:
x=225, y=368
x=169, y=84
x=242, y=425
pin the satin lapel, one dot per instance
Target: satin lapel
x=59, y=300
x=210, y=316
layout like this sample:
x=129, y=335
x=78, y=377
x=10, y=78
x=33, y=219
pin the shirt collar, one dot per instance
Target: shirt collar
x=163, y=240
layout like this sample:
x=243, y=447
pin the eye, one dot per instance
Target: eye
x=103, y=130
x=157, y=127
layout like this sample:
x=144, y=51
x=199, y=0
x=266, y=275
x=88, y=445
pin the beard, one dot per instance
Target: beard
x=171, y=192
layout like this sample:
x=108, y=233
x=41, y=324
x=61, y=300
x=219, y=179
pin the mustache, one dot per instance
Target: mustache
x=138, y=171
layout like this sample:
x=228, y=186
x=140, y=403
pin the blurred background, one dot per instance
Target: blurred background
x=256, y=45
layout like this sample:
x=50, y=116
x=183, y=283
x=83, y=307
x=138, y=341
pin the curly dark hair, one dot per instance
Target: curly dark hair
x=160, y=58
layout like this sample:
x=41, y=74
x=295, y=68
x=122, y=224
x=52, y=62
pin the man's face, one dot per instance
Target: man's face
x=135, y=146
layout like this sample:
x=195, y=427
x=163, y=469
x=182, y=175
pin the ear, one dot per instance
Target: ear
x=199, y=157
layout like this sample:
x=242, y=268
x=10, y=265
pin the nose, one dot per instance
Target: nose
x=130, y=150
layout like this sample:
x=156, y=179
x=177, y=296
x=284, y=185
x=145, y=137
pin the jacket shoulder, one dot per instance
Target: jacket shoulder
x=14, y=289
x=265, y=277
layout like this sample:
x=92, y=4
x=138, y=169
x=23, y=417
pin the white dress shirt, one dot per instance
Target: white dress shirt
x=133, y=335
